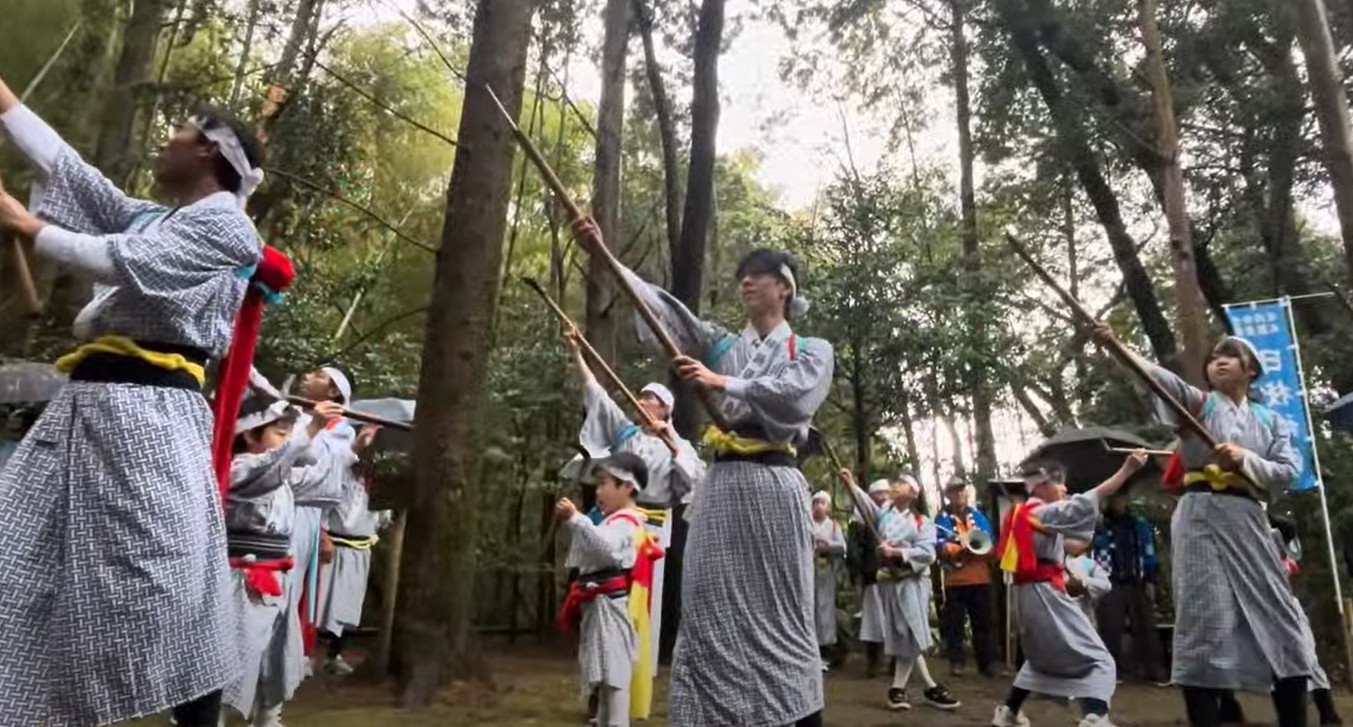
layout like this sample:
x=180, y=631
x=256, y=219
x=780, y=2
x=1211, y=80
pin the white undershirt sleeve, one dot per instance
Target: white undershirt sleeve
x=85, y=252
x=38, y=141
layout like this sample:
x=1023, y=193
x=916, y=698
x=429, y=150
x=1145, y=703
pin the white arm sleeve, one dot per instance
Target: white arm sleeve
x=34, y=137
x=84, y=252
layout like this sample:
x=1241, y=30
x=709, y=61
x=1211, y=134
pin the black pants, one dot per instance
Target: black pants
x=205, y=711
x=1127, y=609
x=968, y=603
x=336, y=644
x=1213, y=707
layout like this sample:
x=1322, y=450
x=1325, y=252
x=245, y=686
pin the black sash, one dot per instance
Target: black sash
x=113, y=368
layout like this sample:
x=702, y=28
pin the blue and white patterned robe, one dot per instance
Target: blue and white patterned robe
x=747, y=650
x=342, y=581
x=1243, y=625
x=115, y=578
x=905, y=602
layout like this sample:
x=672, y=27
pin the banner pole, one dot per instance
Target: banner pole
x=1320, y=486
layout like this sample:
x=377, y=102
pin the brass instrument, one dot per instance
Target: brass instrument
x=975, y=541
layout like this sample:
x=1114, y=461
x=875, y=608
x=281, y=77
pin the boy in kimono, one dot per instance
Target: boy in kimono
x=612, y=559
x=1243, y=629
x=351, y=527
x=113, y=494
x=672, y=477
x=259, y=513
x=864, y=560
x=829, y=547
x=1064, y=656
x=747, y=581
x=907, y=552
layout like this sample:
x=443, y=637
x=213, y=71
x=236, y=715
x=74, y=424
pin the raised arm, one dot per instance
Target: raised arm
x=1185, y=393
x=861, y=499
x=605, y=545
x=321, y=484
x=254, y=475
x=696, y=338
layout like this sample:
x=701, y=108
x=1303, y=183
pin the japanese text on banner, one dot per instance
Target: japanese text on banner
x=1267, y=326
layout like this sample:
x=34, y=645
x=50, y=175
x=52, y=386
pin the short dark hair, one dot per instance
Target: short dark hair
x=765, y=261
x=1231, y=347
x=226, y=175
x=1051, y=469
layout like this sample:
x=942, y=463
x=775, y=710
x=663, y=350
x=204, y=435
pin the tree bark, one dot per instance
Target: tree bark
x=437, y=605
x=1331, y=106
x=671, y=166
x=1190, y=314
x=251, y=24
x=303, y=25
x=859, y=420
x=981, y=390
x=688, y=260
x=606, y=177
x=1076, y=146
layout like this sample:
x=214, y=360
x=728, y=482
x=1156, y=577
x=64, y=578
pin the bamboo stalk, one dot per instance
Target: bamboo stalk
x=599, y=362
x=303, y=402
x=598, y=247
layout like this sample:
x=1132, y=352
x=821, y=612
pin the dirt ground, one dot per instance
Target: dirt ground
x=536, y=688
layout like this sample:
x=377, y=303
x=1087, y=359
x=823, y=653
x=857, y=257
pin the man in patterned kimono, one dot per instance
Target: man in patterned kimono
x=907, y=552
x=1243, y=627
x=1064, y=656
x=746, y=649
x=829, y=547
x=114, y=571
x=671, y=478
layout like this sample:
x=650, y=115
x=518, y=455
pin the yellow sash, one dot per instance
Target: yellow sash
x=363, y=544
x=1219, y=479
x=123, y=346
x=730, y=443
x=654, y=517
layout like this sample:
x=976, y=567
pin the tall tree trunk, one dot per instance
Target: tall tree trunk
x=251, y=24
x=284, y=74
x=437, y=606
x=1073, y=272
x=909, y=430
x=606, y=177
x=688, y=260
x=1190, y=314
x=1075, y=145
x=981, y=389
x=662, y=105
x=1331, y=105
x=859, y=420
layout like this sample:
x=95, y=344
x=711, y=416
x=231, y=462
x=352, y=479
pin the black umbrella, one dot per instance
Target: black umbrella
x=1340, y=414
x=1089, y=455
x=28, y=382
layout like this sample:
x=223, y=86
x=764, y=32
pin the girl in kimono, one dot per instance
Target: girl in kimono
x=1243, y=629
x=113, y=496
x=907, y=552
x=829, y=547
x=1064, y=656
x=606, y=557
x=872, y=618
x=746, y=651
x=260, y=512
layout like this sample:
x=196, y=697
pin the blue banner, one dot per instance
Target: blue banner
x=1282, y=387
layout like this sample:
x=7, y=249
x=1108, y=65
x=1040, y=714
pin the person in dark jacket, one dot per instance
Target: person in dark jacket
x=1125, y=546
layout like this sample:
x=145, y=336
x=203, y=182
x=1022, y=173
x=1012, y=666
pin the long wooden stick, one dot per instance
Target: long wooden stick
x=600, y=363
x=305, y=403
x=1120, y=352
x=597, y=247
x=850, y=487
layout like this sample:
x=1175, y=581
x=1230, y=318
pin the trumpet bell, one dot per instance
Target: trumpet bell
x=978, y=542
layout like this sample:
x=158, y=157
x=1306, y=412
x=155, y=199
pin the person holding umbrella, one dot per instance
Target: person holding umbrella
x=1242, y=629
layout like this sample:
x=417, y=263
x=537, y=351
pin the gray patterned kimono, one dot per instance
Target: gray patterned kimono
x=746, y=652
x=607, y=643
x=316, y=486
x=115, y=578
x=342, y=581
x=1064, y=655
x=829, y=549
x=670, y=479
x=904, y=600
x=1244, y=626
x=260, y=502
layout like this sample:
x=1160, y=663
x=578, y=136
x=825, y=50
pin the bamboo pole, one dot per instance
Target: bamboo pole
x=598, y=247
x=305, y=403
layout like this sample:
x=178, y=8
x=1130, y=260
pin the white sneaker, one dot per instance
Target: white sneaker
x=1005, y=718
x=826, y=667
x=338, y=666
x=271, y=717
x=1094, y=720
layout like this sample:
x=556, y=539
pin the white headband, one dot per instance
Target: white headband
x=340, y=381
x=880, y=486
x=228, y=144
x=798, y=305
x=250, y=422
x=822, y=496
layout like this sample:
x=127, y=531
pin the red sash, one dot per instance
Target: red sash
x=260, y=576
x=1052, y=573
x=579, y=593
